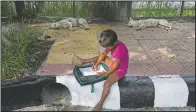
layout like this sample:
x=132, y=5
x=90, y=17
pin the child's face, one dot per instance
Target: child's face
x=104, y=39
x=101, y=41
x=111, y=47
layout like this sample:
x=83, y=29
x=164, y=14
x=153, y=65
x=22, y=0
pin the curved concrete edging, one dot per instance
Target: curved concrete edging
x=144, y=91
x=23, y=91
x=135, y=91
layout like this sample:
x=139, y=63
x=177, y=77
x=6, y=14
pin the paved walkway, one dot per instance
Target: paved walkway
x=155, y=51
x=152, y=51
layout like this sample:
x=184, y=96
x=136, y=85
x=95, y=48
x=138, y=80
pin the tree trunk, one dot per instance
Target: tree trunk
x=20, y=6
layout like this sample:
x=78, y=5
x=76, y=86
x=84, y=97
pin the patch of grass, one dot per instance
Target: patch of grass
x=7, y=10
x=162, y=13
x=83, y=8
x=188, y=12
x=160, y=9
x=64, y=9
x=156, y=13
x=60, y=9
x=101, y=9
x=24, y=55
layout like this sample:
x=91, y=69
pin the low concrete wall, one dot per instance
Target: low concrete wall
x=135, y=91
x=23, y=91
x=144, y=91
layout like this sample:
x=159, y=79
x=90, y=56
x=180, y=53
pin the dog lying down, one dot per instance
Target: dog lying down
x=141, y=24
x=69, y=23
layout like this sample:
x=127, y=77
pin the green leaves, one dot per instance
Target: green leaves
x=160, y=9
x=17, y=58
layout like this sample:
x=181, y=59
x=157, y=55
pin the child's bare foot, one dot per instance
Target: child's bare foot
x=98, y=107
x=78, y=60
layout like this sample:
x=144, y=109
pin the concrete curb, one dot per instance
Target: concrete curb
x=23, y=91
x=135, y=91
x=142, y=92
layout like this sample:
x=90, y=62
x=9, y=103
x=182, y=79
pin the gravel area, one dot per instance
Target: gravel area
x=61, y=107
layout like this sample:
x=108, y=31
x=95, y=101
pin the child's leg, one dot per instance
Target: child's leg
x=109, y=82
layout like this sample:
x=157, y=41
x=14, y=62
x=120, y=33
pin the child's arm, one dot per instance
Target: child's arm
x=101, y=58
x=112, y=68
x=115, y=65
x=119, y=55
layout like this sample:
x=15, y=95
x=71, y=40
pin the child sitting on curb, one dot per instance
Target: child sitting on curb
x=118, y=63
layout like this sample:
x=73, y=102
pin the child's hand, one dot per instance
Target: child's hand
x=94, y=68
x=101, y=73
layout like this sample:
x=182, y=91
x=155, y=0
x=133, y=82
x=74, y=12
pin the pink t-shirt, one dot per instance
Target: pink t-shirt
x=121, y=53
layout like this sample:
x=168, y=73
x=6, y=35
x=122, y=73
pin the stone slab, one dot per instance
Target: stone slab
x=170, y=68
x=144, y=69
x=57, y=69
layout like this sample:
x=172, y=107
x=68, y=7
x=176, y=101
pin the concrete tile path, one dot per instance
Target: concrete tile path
x=152, y=51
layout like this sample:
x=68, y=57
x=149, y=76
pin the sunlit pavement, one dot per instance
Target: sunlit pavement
x=152, y=51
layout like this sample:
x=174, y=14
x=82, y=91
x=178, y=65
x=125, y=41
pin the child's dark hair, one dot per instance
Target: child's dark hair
x=108, y=38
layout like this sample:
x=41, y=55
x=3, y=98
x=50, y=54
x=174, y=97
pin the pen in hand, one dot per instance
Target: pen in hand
x=93, y=65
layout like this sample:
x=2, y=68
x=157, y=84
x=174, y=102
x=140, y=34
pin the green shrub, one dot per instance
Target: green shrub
x=22, y=55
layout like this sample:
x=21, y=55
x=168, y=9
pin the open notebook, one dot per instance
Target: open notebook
x=88, y=71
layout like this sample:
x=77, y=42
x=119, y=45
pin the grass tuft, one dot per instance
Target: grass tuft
x=24, y=55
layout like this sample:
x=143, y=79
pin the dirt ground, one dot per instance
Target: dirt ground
x=81, y=108
x=69, y=43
